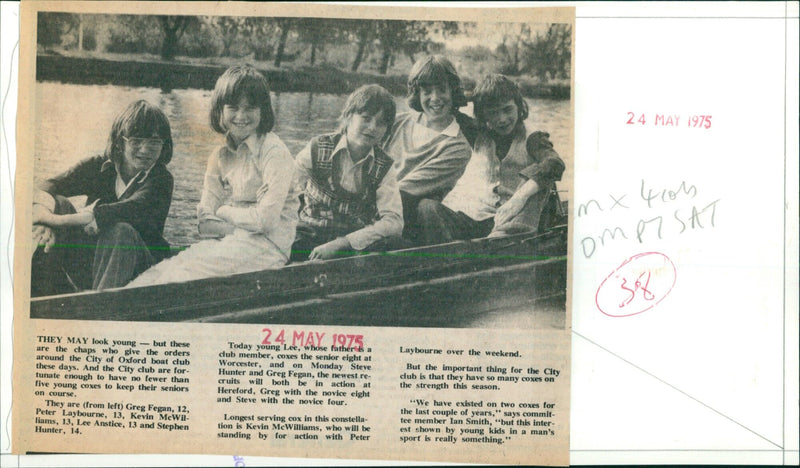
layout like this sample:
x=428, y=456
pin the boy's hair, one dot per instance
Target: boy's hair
x=495, y=90
x=237, y=82
x=434, y=70
x=142, y=120
x=369, y=99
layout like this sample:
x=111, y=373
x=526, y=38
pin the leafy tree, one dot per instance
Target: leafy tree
x=260, y=32
x=364, y=32
x=317, y=32
x=408, y=37
x=173, y=28
x=514, y=40
x=132, y=34
x=285, y=25
x=229, y=29
x=50, y=27
x=549, y=55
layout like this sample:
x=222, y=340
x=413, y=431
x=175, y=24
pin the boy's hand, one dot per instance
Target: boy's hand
x=214, y=229
x=43, y=235
x=515, y=204
x=509, y=209
x=40, y=214
x=223, y=212
x=330, y=249
x=91, y=228
x=85, y=215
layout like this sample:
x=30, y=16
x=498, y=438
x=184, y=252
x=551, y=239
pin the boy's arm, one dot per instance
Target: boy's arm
x=389, y=223
x=390, y=215
x=72, y=182
x=330, y=249
x=209, y=224
x=278, y=175
x=76, y=180
x=437, y=176
x=146, y=209
x=303, y=166
x=547, y=167
x=514, y=205
x=47, y=218
x=214, y=228
x=44, y=205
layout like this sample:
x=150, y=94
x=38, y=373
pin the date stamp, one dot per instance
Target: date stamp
x=669, y=120
x=304, y=338
x=637, y=285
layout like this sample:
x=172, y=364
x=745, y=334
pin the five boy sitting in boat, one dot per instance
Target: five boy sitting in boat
x=448, y=176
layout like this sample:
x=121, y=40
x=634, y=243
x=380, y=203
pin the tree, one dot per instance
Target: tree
x=515, y=38
x=50, y=27
x=229, y=30
x=364, y=31
x=173, y=28
x=129, y=34
x=549, y=55
x=391, y=34
x=260, y=32
x=317, y=32
x=285, y=25
x=410, y=37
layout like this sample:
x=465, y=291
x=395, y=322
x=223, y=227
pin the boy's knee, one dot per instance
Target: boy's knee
x=63, y=206
x=121, y=233
x=428, y=209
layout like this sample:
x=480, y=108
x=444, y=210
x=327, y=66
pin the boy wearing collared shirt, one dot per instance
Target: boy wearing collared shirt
x=120, y=231
x=351, y=196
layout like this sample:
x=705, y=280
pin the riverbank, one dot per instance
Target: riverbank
x=176, y=75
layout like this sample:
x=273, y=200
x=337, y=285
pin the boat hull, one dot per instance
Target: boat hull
x=460, y=284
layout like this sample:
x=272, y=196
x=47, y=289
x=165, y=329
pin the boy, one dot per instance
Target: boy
x=508, y=185
x=351, y=197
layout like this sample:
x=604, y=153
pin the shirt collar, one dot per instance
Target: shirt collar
x=342, y=146
x=250, y=143
x=107, y=165
x=140, y=177
x=451, y=130
x=120, y=187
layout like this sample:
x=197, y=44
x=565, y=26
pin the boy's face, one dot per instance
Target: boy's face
x=139, y=154
x=502, y=118
x=436, y=101
x=241, y=119
x=365, y=131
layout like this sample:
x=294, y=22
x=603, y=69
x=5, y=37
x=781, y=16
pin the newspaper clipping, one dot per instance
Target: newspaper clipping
x=294, y=230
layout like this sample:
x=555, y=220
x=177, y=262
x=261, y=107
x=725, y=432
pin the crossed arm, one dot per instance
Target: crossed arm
x=45, y=220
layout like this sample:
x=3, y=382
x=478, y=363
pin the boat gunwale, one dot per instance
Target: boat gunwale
x=303, y=281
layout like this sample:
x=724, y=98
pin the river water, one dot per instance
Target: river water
x=75, y=120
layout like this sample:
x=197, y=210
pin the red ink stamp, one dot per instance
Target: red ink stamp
x=638, y=285
x=669, y=120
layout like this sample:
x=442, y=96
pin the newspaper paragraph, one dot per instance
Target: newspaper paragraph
x=289, y=386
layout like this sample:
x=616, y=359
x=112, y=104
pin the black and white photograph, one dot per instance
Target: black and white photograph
x=301, y=170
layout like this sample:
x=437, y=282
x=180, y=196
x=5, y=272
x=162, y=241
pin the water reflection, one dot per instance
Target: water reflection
x=75, y=121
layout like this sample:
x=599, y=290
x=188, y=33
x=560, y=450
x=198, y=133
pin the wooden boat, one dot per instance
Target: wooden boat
x=494, y=282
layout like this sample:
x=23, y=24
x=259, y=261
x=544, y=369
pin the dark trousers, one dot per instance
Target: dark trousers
x=438, y=224
x=79, y=261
